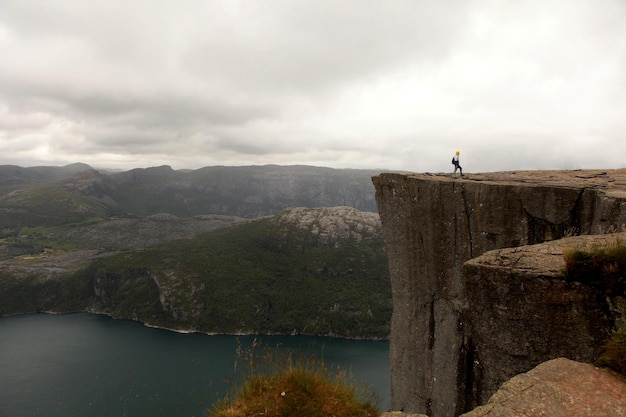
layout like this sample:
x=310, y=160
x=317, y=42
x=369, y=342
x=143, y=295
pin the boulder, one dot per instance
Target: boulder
x=558, y=388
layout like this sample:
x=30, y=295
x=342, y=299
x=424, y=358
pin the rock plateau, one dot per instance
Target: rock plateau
x=459, y=331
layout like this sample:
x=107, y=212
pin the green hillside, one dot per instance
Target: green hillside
x=177, y=248
x=272, y=275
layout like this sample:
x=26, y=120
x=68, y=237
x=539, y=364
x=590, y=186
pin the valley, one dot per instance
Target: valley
x=135, y=245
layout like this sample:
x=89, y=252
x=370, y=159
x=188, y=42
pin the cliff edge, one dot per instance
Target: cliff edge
x=432, y=224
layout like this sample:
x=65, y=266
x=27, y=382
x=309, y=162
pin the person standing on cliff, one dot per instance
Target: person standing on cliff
x=455, y=162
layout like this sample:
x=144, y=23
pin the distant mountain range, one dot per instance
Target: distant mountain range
x=77, y=192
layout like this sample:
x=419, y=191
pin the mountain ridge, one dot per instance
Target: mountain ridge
x=78, y=192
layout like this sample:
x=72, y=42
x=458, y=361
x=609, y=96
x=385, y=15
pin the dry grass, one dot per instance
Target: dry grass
x=614, y=355
x=281, y=386
x=602, y=267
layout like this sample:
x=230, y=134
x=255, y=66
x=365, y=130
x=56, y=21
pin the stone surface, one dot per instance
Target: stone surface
x=329, y=224
x=558, y=388
x=432, y=224
x=521, y=311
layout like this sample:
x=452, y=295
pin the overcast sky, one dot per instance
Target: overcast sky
x=391, y=85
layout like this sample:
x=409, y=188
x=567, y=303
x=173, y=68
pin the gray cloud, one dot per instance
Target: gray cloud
x=395, y=85
x=307, y=46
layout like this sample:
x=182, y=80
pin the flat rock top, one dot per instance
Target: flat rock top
x=545, y=258
x=610, y=180
x=559, y=388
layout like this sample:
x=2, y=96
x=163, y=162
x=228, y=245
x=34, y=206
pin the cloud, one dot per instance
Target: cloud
x=396, y=85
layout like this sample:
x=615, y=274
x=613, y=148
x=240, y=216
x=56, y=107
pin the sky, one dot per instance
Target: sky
x=389, y=85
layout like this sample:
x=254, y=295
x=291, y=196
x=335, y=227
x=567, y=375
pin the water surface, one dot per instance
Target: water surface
x=80, y=365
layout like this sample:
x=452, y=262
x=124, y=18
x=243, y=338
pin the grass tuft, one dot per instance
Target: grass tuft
x=279, y=385
x=614, y=355
x=601, y=267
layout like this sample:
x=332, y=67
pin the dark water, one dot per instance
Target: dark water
x=85, y=365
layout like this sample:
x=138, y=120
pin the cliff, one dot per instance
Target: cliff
x=433, y=224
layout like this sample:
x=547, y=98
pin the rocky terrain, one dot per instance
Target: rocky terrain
x=443, y=363
x=332, y=224
x=43, y=252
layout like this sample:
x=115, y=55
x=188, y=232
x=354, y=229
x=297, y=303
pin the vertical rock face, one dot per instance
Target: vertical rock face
x=432, y=224
x=522, y=312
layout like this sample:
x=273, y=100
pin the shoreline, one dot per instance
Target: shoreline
x=194, y=331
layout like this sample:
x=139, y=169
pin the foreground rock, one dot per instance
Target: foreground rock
x=556, y=388
x=559, y=388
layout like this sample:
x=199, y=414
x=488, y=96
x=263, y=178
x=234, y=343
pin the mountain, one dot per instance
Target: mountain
x=218, y=249
x=250, y=192
x=319, y=271
x=76, y=193
x=12, y=176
